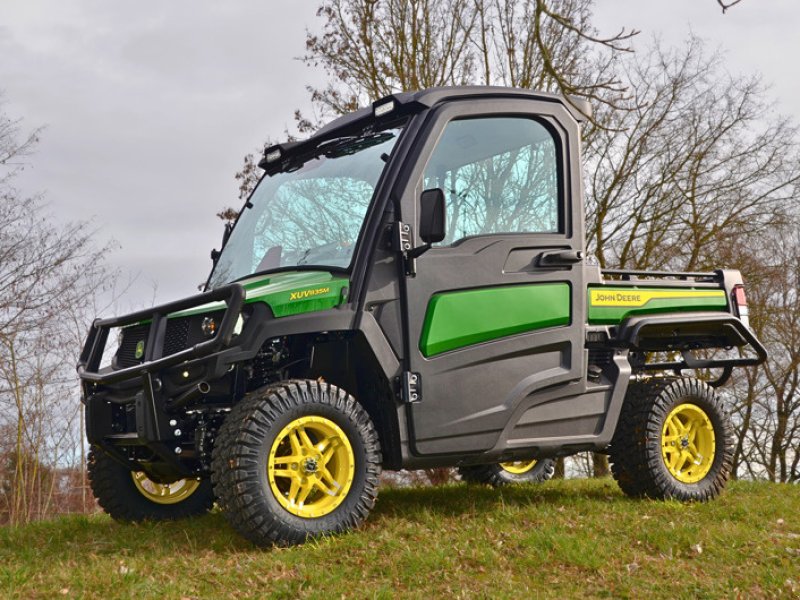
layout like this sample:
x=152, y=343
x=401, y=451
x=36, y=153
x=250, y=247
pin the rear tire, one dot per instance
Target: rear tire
x=294, y=461
x=674, y=439
x=131, y=497
x=500, y=474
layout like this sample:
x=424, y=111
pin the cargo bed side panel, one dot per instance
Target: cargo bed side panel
x=610, y=305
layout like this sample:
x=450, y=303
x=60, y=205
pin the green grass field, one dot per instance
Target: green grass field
x=561, y=539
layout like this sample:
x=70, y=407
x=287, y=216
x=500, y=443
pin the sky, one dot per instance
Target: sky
x=148, y=108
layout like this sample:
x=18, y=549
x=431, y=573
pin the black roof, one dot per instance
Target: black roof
x=579, y=108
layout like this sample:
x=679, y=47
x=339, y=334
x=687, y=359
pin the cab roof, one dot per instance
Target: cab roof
x=411, y=102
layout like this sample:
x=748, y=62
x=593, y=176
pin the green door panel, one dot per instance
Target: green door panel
x=610, y=305
x=461, y=318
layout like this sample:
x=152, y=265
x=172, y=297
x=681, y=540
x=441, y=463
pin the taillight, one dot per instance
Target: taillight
x=739, y=296
x=740, y=300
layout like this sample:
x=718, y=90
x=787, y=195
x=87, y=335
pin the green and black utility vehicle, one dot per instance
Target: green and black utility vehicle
x=408, y=288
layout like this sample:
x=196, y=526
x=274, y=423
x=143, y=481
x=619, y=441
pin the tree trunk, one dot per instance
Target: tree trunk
x=439, y=475
x=600, y=465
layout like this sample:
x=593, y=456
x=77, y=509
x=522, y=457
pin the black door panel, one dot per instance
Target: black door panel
x=505, y=210
x=474, y=390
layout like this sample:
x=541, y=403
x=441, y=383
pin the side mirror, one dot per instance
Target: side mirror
x=432, y=216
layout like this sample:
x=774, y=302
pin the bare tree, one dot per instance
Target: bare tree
x=372, y=48
x=699, y=176
x=726, y=5
x=48, y=276
x=697, y=166
x=766, y=401
x=14, y=145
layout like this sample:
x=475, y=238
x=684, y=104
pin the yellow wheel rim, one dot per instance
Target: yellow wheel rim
x=519, y=467
x=311, y=467
x=688, y=443
x=164, y=493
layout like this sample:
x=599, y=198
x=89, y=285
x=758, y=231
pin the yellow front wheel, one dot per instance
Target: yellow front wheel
x=311, y=466
x=164, y=493
x=133, y=496
x=295, y=461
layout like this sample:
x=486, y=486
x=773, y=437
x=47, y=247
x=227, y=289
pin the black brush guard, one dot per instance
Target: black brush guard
x=153, y=429
x=89, y=362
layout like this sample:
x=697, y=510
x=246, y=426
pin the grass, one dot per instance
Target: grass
x=561, y=539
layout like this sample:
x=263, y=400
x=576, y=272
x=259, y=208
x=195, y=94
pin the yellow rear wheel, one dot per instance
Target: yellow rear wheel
x=674, y=439
x=311, y=467
x=519, y=467
x=688, y=443
x=509, y=472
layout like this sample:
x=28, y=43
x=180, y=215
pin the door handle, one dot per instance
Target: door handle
x=560, y=258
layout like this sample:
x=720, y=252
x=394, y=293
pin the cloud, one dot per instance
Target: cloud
x=148, y=114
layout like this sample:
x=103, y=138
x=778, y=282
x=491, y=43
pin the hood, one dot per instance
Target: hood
x=287, y=293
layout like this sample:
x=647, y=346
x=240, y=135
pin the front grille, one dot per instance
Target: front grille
x=176, y=335
x=130, y=338
x=181, y=333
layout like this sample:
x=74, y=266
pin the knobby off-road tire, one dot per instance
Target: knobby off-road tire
x=294, y=461
x=132, y=497
x=674, y=439
x=501, y=474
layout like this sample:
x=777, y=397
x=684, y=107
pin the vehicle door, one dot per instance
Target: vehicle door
x=495, y=311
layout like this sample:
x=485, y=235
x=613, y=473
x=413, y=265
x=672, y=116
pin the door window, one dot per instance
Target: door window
x=499, y=175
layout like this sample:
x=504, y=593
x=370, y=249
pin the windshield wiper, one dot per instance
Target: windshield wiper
x=302, y=259
x=319, y=250
x=353, y=144
x=336, y=147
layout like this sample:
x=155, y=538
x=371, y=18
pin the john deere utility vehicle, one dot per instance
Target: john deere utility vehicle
x=408, y=288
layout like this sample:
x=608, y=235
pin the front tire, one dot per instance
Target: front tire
x=500, y=474
x=674, y=440
x=132, y=496
x=296, y=460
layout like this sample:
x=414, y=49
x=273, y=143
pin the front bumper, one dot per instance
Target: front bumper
x=131, y=412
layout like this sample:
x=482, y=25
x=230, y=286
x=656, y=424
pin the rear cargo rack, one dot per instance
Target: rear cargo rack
x=88, y=367
x=626, y=277
x=629, y=275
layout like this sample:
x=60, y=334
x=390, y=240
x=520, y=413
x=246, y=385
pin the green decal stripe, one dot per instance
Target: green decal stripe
x=291, y=293
x=610, y=312
x=297, y=293
x=458, y=319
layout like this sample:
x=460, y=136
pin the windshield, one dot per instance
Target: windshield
x=311, y=213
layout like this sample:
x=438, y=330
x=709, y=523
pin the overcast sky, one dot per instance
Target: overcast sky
x=149, y=107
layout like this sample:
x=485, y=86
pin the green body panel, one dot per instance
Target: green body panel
x=462, y=318
x=288, y=293
x=609, y=305
x=298, y=292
